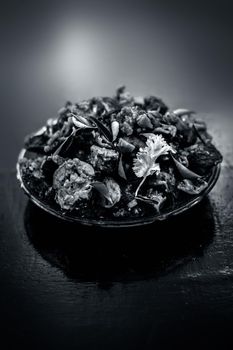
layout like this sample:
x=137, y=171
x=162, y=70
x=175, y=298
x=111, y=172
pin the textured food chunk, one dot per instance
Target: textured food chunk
x=33, y=166
x=103, y=159
x=144, y=121
x=192, y=187
x=72, y=182
x=203, y=158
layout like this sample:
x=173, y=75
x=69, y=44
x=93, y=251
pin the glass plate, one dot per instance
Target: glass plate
x=118, y=222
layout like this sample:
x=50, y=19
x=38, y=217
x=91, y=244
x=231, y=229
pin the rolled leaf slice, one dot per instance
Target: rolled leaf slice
x=180, y=112
x=189, y=187
x=80, y=124
x=125, y=146
x=156, y=200
x=109, y=191
x=79, y=119
x=115, y=127
x=103, y=190
x=184, y=172
x=102, y=128
x=64, y=147
x=121, y=170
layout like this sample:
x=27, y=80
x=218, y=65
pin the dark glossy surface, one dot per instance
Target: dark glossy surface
x=107, y=255
x=65, y=286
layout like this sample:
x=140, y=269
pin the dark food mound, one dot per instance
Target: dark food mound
x=118, y=157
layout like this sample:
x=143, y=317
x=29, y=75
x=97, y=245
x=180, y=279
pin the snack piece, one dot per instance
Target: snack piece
x=72, y=182
x=109, y=191
x=192, y=186
x=203, y=158
x=33, y=167
x=103, y=159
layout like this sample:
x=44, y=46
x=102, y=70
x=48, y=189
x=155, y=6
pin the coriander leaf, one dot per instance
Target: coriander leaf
x=145, y=162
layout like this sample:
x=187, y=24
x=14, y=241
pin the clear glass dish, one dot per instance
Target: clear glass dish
x=118, y=222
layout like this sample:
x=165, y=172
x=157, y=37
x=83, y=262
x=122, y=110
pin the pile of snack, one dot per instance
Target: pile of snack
x=119, y=156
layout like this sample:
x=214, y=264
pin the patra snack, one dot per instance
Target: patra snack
x=119, y=156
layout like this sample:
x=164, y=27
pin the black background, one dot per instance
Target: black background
x=70, y=287
x=54, y=51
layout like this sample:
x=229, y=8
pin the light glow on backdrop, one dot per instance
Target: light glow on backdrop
x=52, y=54
x=76, y=57
x=88, y=57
